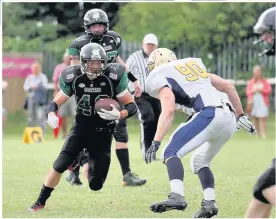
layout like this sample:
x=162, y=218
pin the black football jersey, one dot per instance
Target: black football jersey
x=111, y=43
x=72, y=82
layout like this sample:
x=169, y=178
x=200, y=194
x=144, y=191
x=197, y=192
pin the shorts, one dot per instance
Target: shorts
x=266, y=180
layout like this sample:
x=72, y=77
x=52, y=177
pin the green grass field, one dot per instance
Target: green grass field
x=25, y=166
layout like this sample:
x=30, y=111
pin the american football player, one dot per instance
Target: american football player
x=88, y=82
x=185, y=83
x=264, y=191
x=96, y=25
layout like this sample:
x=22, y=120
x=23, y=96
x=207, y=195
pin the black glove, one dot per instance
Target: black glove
x=151, y=153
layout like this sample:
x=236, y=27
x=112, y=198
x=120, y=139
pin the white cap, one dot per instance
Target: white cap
x=150, y=38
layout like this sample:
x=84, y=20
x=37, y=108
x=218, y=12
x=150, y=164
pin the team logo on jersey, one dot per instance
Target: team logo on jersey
x=81, y=85
x=103, y=84
x=115, y=66
x=91, y=85
x=111, y=41
x=70, y=76
x=113, y=76
x=107, y=47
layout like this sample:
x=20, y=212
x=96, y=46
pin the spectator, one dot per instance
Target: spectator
x=68, y=108
x=36, y=88
x=149, y=108
x=4, y=111
x=257, y=91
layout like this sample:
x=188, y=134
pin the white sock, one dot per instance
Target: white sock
x=177, y=186
x=209, y=194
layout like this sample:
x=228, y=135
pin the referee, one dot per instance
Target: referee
x=149, y=108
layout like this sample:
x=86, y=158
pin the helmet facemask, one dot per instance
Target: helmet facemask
x=98, y=34
x=93, y=68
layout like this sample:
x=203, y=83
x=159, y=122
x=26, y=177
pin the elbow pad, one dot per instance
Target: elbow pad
x=131, y=77
x=131, y=108
x=52, y=107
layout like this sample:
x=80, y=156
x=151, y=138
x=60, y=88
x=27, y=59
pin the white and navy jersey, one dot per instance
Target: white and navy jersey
x=189, y=81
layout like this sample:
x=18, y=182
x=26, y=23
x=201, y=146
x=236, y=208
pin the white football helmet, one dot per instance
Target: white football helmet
x=160, y=56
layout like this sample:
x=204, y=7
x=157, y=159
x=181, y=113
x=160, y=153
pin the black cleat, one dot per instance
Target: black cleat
x=131, y=179
x=73, y=179
x=174, y=202
x=208, y=209
x=36, y=207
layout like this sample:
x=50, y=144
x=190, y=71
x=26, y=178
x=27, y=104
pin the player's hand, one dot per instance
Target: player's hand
x=138, y=89
x=110, y=115
x=151, y=153
x=52, y=120
x=244, y=122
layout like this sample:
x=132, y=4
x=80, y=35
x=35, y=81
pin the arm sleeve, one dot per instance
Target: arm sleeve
x=122, y=85
x=74, y=51
x=66, y=88
x=154, y=84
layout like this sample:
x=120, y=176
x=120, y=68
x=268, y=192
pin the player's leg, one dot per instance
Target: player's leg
x=71, y=148
x=202, y=157
x=73, y=176
x=66, y=110
x=264, y=194
x=121, y=137
x=99, y=158
x=258, y=209
x=147, y=122
x=187, y=137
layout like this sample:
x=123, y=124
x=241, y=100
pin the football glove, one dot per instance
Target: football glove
x=114, y=114
x=151, y=152
x=52, y=120
x=244, y=122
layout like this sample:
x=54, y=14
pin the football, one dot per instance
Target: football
x=104, y=103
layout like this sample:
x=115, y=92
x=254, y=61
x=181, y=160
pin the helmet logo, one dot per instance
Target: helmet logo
x=96, y=53
x=96, y=16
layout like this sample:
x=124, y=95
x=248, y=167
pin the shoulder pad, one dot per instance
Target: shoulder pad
x=80, y=41
x=70, y=73
x=82, y=38
x=115, y=36
x=115, y=71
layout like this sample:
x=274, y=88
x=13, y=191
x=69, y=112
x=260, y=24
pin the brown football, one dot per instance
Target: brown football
x=104, y=103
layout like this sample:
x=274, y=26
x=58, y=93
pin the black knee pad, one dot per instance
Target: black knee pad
x=120, y=132
x=63, y=162
x=266, y=180
x=98, y=167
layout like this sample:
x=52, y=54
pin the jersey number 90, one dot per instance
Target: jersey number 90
x=192, y=71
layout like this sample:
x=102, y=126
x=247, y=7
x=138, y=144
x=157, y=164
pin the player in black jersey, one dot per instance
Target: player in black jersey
x=96, y=25
x=264, y=191
x=88, y=82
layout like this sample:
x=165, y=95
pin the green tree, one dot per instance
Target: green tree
x=205, y=24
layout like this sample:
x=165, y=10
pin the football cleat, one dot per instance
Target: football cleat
x=131, y=179
x=73, y=179
x=174, y=202
x=36, y=207
x=208, y=209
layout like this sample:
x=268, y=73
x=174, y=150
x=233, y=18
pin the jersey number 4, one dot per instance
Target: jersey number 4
x=84, y=104
x=192, y=71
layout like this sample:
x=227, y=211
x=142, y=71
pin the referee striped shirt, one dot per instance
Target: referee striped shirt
x=137, y=65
